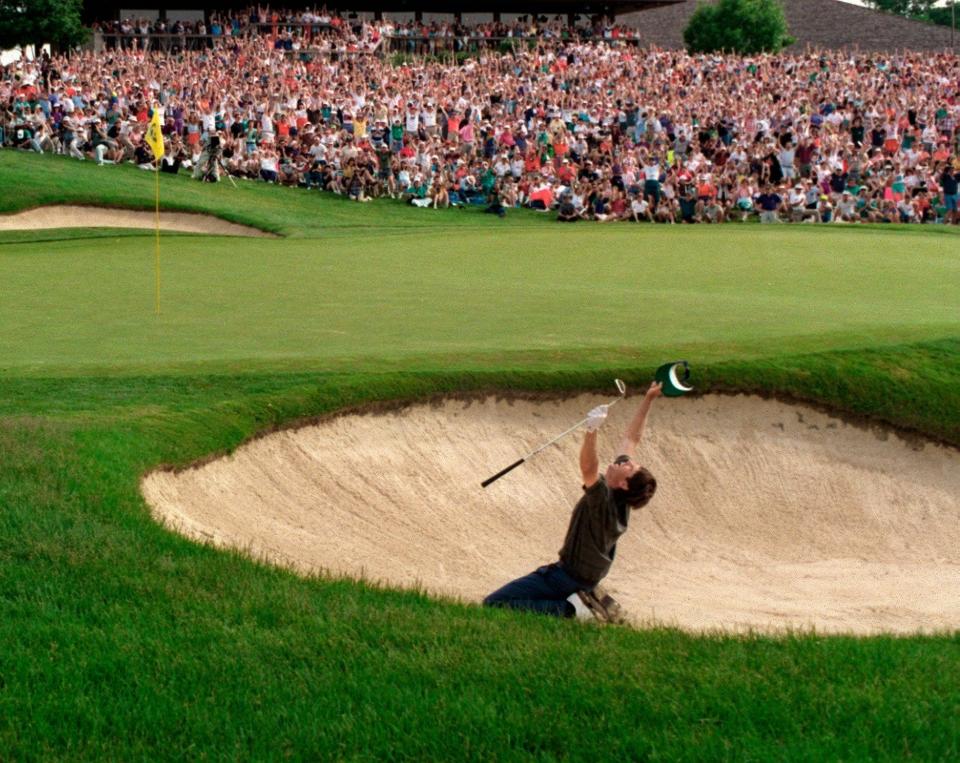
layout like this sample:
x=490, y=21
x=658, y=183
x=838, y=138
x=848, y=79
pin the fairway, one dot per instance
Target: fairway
x=631, y=292
x=305, y=358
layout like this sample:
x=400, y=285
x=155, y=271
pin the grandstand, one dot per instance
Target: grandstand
x=670, y=138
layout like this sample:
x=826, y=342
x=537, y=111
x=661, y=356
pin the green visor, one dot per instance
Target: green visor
x=674, y=377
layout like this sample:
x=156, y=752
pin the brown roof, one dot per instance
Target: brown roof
x=113, y=8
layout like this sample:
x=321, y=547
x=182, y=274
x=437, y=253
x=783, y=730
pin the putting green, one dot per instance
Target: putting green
x=592, y=291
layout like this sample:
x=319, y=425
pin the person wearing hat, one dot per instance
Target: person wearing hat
x=105, y=149
x=846, y=211
x=797, y=202
x=569, y=587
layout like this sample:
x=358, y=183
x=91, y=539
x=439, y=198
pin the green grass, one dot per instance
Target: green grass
x=390, y=296
x=122, y=641
x=42, y=180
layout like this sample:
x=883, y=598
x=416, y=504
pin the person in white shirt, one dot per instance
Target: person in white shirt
x=640, y=209
x=786, y=157
x=428, y=118
x=411, y=118
x=269, y=165
x=797, y=201
x=846, y=209
x=651, y=180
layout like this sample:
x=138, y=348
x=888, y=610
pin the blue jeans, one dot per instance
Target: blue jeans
x=544, y=590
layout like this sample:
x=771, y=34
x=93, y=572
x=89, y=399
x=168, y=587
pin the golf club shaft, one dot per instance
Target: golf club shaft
x=499, y=474
x=532, y=453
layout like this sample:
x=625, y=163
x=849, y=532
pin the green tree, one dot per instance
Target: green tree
x=934, y=11
x=41, y=22
x=945, y=16
x=911, y=8
x=740, y=26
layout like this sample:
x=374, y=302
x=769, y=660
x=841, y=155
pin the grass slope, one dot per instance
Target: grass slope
x=43, y=180
x=120, y=640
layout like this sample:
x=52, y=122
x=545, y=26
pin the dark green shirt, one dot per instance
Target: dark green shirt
x=597, y=523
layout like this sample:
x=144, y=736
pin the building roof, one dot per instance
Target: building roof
x=97, y=11
x=814, y=23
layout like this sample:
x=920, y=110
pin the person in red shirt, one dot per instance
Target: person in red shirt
x=618, y=206
x=531, y=162
x=706, y=190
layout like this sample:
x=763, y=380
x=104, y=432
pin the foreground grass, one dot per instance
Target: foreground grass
x=126, y=642
x=122, y=641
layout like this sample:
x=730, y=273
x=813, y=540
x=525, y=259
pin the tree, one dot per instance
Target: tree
x=943, y=16
x=922, y=10
x=739, y=26
x=41, y=22
x=910, y=8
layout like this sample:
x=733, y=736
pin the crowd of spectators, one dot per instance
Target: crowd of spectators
x=587, y=130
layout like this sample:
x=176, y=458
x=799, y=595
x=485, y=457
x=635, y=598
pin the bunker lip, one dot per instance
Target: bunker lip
x=879, y=427
x=81, y=216
x=770, y=516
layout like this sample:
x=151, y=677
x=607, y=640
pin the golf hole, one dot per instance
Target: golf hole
x=768, y=516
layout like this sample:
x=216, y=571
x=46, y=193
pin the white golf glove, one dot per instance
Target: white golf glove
x=596, y=417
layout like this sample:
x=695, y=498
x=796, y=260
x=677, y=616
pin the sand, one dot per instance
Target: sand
x=769, y=516
x=66, y=216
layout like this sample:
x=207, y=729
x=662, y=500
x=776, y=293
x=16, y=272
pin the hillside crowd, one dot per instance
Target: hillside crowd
x=586, y=129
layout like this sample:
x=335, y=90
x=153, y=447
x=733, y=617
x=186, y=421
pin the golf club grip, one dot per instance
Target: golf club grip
x=499, y=474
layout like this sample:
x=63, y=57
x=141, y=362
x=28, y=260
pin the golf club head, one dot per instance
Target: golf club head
x=621, y=387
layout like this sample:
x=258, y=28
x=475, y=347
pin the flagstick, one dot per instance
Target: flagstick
x=157, y=257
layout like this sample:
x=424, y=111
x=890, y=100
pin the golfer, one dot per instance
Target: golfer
x=567, y=588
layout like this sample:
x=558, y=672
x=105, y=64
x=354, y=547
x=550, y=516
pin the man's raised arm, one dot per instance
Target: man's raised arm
x=589, y=460
x=637, y=424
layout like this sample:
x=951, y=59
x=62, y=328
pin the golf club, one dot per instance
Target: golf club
x=621, y=388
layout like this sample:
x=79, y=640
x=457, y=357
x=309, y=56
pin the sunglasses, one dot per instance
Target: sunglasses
x=620, y=460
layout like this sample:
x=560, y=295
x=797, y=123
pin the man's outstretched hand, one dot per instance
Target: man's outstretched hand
x=596, y=417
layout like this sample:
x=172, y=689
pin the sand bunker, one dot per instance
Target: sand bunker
x=65, y=216
x=768, y=515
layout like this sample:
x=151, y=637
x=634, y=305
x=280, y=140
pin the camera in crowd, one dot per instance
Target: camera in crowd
x=22, y=132
x=211, y=160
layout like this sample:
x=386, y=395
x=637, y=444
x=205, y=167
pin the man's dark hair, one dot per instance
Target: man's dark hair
x=641, y=485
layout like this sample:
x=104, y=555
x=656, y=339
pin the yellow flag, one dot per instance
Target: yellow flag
x=154, y=136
